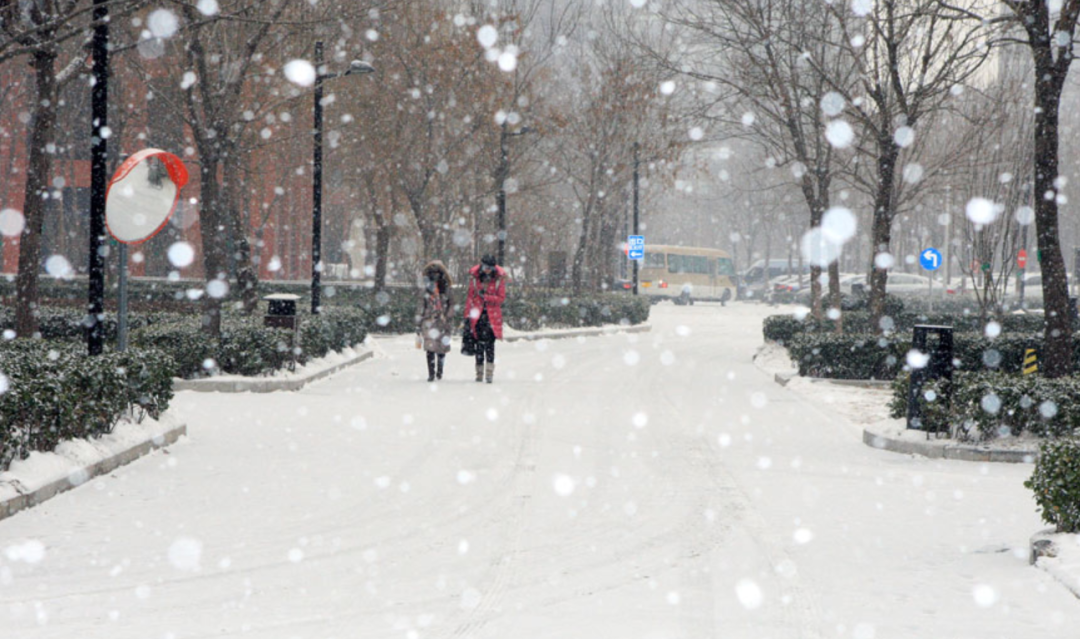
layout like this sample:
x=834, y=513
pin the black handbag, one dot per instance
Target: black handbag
x=468, y=342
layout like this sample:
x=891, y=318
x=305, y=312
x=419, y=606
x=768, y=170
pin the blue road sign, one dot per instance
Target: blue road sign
x=636, y=245
x=930, y=259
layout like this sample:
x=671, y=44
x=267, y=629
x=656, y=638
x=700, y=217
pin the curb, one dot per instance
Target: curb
x=584, y=332
x=958, y=452
x=1043, y=547
x=259, y=385
x=9, y=507
x=857, y=383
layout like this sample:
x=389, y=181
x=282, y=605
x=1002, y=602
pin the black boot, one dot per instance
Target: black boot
x=431, y=367
x=439, y=366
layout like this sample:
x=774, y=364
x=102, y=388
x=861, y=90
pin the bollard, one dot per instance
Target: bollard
x=937, y=343
x=1031, y=363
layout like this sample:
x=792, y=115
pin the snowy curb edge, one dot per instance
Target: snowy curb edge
x=258, y=385
x=1044, y=555
x=12, y=505
x=583, y=332
x=955, y=451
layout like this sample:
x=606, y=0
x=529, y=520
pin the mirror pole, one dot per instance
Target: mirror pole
x=122, y=311
x=98, y=177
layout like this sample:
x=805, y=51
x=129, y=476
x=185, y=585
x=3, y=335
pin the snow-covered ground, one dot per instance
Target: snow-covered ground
x=655, y=485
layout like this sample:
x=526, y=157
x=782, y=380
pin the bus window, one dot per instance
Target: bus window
x=725, y=266
x=697, y=264
x=654, y=260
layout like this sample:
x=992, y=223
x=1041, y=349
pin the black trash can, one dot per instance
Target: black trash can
x=281, y=312
x=936, y=342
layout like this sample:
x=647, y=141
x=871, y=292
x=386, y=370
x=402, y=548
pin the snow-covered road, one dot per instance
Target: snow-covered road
x=633, y=486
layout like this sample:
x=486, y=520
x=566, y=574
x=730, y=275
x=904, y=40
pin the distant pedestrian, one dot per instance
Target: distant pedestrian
x=483, y=311
x=434, y=317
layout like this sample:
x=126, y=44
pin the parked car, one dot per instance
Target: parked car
x=1033, y=291
x=902, y=284
x=752, y=281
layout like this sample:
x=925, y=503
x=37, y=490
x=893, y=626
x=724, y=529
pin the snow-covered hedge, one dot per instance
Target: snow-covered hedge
x=847, y=356
x=781, y=328
x=869, y=356
x=1056, y=483
x=246, y=347
x=50, y=392
x=986, y=405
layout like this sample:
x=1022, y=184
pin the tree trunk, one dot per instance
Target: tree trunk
x=39, y=168
x=578, y=269
x=1057, y=342
x=247, y=277
x=881, y=233
x=213, y=239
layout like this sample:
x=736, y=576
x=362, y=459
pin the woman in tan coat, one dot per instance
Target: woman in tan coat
x=434, y=315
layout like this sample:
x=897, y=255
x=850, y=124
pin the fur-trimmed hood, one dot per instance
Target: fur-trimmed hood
x=436, y=265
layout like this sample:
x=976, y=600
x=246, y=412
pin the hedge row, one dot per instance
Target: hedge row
x=782, y=328
x=986, y=405
x=867, y=356
x=54, y=392
x=1056, y=483
x=246, y=347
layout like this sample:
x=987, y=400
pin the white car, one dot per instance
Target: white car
x=1033, y=290
x=903, y=284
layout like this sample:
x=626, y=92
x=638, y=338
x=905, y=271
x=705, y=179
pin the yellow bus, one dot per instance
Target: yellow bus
x=686, y=273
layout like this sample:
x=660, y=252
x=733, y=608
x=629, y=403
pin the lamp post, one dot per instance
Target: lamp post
x=500, y=177
x=637, y=163
x=1025, y=195
x=358, y=67
x=99, y=96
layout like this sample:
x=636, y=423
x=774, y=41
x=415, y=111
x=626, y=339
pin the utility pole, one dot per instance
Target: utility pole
x=99, y=108
x=637, y=163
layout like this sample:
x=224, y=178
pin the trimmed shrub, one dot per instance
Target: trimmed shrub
x=780, y=328
x=848, y=356
x=246, y=347
x=1056, y=484
x=987, y=405
x=935, y=411
x=54, y=392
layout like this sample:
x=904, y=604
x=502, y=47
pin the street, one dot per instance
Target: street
x=656, y=485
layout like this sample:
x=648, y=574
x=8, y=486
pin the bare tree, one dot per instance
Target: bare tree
x=908, y=56
x=752, y=54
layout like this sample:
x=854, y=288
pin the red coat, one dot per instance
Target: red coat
x=493, y=295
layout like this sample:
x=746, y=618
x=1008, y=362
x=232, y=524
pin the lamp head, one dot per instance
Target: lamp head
x=359, y=67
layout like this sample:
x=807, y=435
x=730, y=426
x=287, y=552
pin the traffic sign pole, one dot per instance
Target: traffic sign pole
x=930, y=260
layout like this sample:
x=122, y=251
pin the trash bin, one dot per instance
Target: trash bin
x=281, y=312
x=936, y=342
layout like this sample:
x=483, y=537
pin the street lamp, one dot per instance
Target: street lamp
x=98, y=178
x=500, y=177
x=637, y=163
x=357, y=67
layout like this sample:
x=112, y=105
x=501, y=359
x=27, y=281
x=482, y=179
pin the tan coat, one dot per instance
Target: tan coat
x=434, y=315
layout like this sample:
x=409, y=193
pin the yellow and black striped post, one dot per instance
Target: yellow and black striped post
x=1031, y=364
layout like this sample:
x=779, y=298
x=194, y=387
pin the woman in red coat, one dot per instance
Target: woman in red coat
x=483, y=311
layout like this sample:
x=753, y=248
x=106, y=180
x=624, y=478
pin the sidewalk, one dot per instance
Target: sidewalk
x=865, y=406
x=42, y=476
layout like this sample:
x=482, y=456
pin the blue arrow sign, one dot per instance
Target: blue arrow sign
x=930, y=259
x=636, y=244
